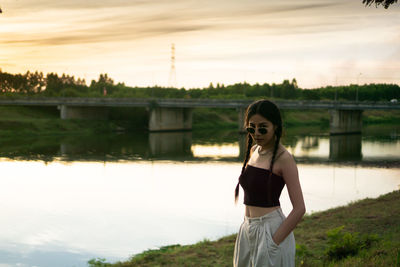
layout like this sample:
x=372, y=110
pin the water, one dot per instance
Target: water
x=65, y=200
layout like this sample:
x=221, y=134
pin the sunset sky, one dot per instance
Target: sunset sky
x=318, y=42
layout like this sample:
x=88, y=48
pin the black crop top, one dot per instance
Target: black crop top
x=260, y=188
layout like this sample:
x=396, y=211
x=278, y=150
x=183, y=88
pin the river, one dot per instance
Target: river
x=67, y=199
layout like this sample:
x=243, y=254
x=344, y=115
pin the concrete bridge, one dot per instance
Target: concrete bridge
x=176, y=114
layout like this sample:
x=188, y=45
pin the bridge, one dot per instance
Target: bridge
x=176, y=114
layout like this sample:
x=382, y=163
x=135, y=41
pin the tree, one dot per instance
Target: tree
x=385, y=3
x=35, y=82
x=104, y=84
x=53, y=84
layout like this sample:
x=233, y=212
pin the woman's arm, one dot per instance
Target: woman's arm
x=290, y=175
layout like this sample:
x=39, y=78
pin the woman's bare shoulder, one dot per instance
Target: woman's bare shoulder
x=284, y=156
x=285, y=162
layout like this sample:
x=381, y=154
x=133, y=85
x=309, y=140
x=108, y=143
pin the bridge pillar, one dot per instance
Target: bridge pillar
x=76, y=112
x=170, y=119
x=345, y=147
x=345, y=121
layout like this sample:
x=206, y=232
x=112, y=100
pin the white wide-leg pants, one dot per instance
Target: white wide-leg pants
x=254, y=246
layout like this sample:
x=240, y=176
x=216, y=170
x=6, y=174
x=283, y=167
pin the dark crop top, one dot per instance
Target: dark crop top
x=260, y=188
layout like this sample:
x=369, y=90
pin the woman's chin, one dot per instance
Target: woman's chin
x=259, y=142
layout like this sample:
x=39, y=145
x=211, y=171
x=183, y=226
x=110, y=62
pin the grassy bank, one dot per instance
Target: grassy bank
x=34, y=121
x=204, y=118
x=364, y=233
x=381, y=116
x=17, y=120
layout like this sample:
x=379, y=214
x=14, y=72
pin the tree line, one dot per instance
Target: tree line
x=52, y=85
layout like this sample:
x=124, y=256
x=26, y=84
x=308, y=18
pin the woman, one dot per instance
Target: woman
x=265, y=237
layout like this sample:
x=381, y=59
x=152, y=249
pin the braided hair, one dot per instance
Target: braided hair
x=246, y=159
x=270, y=111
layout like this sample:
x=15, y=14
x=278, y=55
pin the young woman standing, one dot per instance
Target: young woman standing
x=265, y=237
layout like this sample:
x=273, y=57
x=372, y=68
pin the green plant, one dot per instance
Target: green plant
x=342, y=244
x=99, y=262
x=302, y=253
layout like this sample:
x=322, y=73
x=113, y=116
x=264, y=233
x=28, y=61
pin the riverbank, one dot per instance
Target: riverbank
x=363, y=233
x=34, y=121
x=45, y=121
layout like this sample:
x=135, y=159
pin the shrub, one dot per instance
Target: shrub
x=342, y=244
x=302, y=253
x=98, y=263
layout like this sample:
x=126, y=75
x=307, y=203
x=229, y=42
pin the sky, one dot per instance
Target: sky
x=317, y=42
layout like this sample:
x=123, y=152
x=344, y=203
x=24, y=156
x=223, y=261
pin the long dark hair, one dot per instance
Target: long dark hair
x=270, y=111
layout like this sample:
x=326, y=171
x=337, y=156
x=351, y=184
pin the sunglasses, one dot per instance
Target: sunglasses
x=261, y=130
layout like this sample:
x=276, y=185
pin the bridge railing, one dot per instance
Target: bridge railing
x=193, y=103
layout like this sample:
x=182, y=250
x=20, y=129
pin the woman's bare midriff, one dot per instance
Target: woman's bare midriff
x=252, y=211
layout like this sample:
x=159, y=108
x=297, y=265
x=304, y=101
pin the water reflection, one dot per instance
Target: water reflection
x=171, y=145
x=310, y=142
x=345, y=147
x=193, y=146
x=216, y=151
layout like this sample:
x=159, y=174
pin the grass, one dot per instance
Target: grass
x=207, y=118
x=45, y=121
x=381, y=116
x=372, y=225
x=379, y=216
x=305, y=117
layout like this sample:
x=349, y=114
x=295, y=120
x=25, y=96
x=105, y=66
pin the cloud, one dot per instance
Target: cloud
x=39, y=5
x=211, y=4
x=106, y=35
x=284, y=8
x=105, y=21
x=93, y=28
